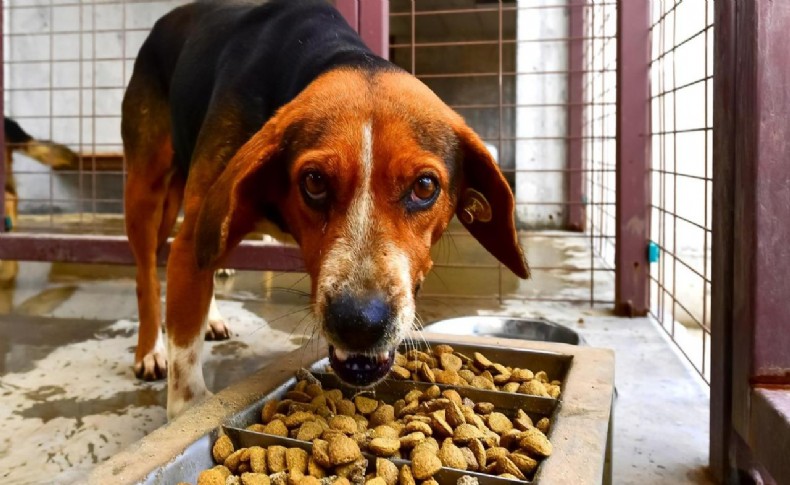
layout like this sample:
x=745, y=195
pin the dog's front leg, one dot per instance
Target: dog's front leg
x=189, y=293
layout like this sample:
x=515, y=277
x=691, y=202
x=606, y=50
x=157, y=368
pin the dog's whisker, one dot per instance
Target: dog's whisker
x=310, y=339
x=441, y=302
x=300, y=322
x=299, y=280
x=419, y=331
x=308, y=320
x=266, y=323
x=270, y=277
x=292, y=312
x=438, y=276
x=269, y=321
x=291, y=291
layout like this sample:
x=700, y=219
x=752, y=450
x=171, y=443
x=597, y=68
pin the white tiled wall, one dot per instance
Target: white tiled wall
x=67, y=64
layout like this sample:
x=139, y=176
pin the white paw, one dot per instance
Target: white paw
x=225, y=272
x=216, y=328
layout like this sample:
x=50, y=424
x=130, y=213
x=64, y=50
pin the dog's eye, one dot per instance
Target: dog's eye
x=424, y=188
x=314, y=187
x=423, y=193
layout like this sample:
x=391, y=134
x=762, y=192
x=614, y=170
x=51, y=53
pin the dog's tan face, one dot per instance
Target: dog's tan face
x=369, y=171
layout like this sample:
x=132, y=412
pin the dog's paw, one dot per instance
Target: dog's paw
x=225, y=272
x=153, y=365
x=217, y=329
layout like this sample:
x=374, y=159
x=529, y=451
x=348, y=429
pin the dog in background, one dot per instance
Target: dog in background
x=45, y=152
x=278, y=112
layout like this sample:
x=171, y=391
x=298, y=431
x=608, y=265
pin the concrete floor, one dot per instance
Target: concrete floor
x=68, y=399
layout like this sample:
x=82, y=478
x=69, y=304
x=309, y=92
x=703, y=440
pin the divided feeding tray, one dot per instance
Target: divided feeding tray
x=580, y=416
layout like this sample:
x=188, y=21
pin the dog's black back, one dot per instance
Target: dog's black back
x=212, y=57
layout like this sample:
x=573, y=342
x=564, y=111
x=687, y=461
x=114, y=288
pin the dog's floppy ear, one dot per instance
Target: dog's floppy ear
x=485, y=203
x=232, y=206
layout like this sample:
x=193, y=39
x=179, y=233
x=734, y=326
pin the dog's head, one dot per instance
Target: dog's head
x=365, y=171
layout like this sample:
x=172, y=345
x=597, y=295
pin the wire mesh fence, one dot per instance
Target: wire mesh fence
x=509, y=68
x=681, y=146
x=66, y=65
x=600, y=127
x=503, y=65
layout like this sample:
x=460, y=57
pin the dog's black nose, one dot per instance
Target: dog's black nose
x=358, y=322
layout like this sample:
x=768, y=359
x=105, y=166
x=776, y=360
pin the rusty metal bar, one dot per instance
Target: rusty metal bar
x=723, y=224
x=750, y=400
x=632, y=292
x=4, y=163
x=571, y=5
x=467, y=43
x=761, y=204
x=248, y=255
x=762, y=170
x=515, y=73
x=374, y=25
x=349, y=9
x=575, y=216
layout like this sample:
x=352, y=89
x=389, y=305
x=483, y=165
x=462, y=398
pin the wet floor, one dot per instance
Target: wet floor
x=67, y=334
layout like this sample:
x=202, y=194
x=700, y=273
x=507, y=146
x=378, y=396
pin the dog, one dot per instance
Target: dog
x=246, y=112
x=45, y=152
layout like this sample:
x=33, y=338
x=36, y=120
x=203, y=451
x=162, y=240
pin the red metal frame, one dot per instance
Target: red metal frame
x=750, y=400
x=721, y=269
x=370, y=18
x=632, y=295
x=575, y=215
x=763, y=204
x=3, y=165
x=374, y=25
x=350, y=10
x=115, y=250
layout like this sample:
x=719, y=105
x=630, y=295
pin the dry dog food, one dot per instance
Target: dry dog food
x=294, y=466
x=447, y=366
x=430, y=429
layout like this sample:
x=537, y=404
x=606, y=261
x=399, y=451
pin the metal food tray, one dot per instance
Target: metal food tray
x=389, y=391
x=181, y=449
x=556, y=366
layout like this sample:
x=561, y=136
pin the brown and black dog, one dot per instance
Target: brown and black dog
x=277, y=111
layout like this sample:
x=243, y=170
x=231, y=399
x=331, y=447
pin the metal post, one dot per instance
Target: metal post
x=4, y=163
x=349, y=9
x=632, y=296
x=69, y=248
x=751, y=254
x=722, y=262
x=762, y=203
x=374, y=25
x=575, y=215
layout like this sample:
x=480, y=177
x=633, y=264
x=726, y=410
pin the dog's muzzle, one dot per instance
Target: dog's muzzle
x=363, y=331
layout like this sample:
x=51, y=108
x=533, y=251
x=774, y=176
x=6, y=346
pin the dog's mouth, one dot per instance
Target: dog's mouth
x=360, y=370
